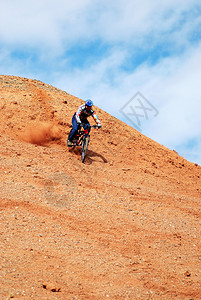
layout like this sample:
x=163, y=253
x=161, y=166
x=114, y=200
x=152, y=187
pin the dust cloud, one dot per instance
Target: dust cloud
x=40, y=133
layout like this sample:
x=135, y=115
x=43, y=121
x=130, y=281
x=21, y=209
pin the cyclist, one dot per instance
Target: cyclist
x=80, y=119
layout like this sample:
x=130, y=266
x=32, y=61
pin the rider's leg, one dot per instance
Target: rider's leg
x=75, y=128
x=87, y=126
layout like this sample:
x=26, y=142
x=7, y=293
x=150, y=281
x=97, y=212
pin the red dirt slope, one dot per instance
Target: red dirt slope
x=124, y=225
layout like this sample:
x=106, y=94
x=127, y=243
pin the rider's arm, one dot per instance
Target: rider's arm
x=96, y=119
x=77, y=115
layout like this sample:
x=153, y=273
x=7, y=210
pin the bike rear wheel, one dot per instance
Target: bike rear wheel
x=85, y=144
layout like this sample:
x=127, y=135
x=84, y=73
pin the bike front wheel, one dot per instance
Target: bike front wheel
x=85, y=144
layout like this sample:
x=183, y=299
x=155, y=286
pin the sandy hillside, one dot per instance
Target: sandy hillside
x=124, y=225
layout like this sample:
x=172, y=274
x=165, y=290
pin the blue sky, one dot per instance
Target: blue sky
x=109, y=51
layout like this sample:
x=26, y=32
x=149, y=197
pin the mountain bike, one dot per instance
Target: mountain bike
x=82, y=139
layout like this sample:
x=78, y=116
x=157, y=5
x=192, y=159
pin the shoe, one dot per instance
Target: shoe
x=69, y=143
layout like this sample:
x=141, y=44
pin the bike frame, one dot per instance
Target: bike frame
x=82, y=139
x=81, y=134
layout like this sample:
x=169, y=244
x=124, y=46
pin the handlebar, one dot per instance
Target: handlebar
x=91, y=126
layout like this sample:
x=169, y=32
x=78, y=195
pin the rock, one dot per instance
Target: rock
x=51, y=287
x=187, y=273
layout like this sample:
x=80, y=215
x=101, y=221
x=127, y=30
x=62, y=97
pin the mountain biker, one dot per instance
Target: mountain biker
x=80, y=119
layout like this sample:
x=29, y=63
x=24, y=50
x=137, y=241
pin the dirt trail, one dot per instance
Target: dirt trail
x=124, y=225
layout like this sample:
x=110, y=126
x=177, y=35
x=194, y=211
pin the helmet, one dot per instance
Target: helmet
x=89, y=102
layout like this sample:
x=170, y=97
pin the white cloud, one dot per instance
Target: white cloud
x=178, y=96
x=49, y=23
x=42, y=24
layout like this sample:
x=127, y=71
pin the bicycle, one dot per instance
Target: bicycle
x=82, y=139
